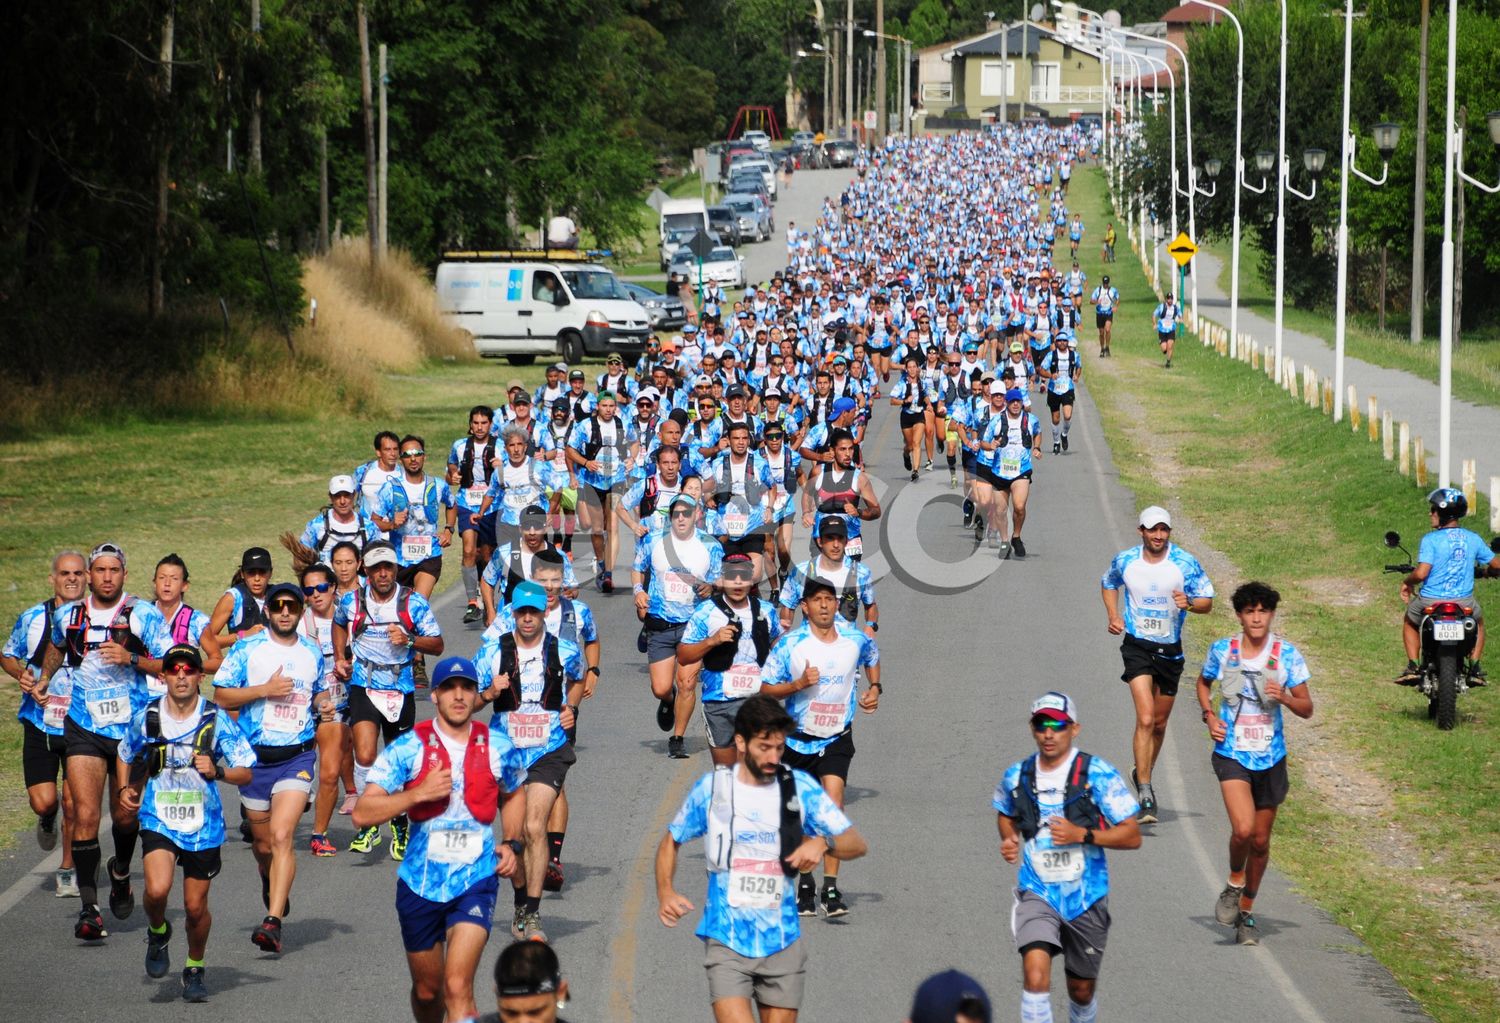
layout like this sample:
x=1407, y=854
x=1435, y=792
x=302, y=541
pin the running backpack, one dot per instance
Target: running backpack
x=466, y=464
x=153, y=758
x=75, y=633
x=719, y=841
x=360, y=620
x=481, y=790
x=721, y=657
x=509, y=698
x=1078, y=805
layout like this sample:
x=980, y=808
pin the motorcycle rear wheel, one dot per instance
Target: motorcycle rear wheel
x=1445, y=702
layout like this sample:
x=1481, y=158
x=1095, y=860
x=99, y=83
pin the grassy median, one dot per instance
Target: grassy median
x=1392, y=825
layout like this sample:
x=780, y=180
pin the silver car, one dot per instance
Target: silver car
x=665, y=311
x=753, y=213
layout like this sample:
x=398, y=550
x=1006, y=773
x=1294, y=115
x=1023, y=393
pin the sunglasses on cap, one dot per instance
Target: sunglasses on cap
x=1046, y=724
x=414, y=453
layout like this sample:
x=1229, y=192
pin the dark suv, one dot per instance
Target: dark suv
x=839, y=152
x=722, y=221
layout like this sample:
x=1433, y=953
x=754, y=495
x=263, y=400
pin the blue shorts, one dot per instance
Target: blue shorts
x=970, y=460
x=424, y=923
x=470, y=522
x=288, y=776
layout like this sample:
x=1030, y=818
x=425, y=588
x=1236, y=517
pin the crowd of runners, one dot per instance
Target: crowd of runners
x=930, y=286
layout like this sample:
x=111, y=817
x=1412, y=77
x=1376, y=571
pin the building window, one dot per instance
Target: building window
x=989, y=78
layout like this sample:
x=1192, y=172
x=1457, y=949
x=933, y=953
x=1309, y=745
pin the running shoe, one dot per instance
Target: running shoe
x=607, y=582
x=929, y=465
x=366, y=840
x=677, y=748
x=1227, y=909
x=320, y=846
x=419, y=672
x=666, y=711
x=1004, y=552
x=90, y=925
x=46, y=831
x=1057, y=448
x=518, y=923
x=994, y=541
x=471, y=614
x=400, y=835
x=1148, y=805
x=1065, y=442
x=807, y=899
x=952, y=478
x=531, y=928
x=267, y=937
x=1169, y=366
x=906, y=459
x=914, y=475
x=193, y=988
x=833, y=902
x=121, y=898
x=1411, y=676
x=598, y=578
x=67, y=884
x=968, y=513
x=553, y=882
x=1246, y=932
x=350, y=798
x=1018, y=548
x=158, y=961
x=1477, y=679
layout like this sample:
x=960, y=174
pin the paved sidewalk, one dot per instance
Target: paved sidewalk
x=1476, y=428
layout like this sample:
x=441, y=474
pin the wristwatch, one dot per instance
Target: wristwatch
x=135, y=660
x=594, y=668
x=1088, y=836
x=874, y=626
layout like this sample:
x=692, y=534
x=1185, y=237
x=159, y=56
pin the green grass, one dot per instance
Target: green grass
x=206, y=489
x=1296, y=501
x=1476, y=361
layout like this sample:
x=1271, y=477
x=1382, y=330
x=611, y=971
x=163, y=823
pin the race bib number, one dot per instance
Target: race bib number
x=110, y=706
x=453, y=845
x=1010, y=465
x=742, y=680
x=824, y=720
x=180, y=810
x=285, y=715
x=56, y=711
x=735, y=523
x=855, y=546
x=1056, y=865
x=1252, y=732
x=388, y=702
x=527, y=731
x=474, y=495
x=1154, y=625
x=338, y=692
x=755, y=884
x=678, y=587
x=416, y=548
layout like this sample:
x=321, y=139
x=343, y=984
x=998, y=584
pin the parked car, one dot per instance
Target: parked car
x=801, y=153
x=723, y=265
x=674, y=238
x=763, y=167
x=803, y=138
x=726, y=224
x=749, y=183
x=753, y=214
x=666, y=311
x=734, y=152
x=839, y=152
x=759, y=139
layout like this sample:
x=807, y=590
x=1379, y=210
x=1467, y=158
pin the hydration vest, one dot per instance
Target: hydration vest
x=466, y=464
x=1025, y=430
x=339, y=535
x=832, y=495
x=481, y=790
x=596, y=438
x=509, y=698
x=181, y=625
x=34, y=657
x=724, y=488
x=1078, y=805
x=153, y=758
x=251, y=613
x=360, y=620
x=514, y=573
x=1231, y=691
x=722, y=656
x=75, y=633
x=719, y=841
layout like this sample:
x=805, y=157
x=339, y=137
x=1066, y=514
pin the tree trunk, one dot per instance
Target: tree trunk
x=372, y=198
x=156, y=298
x=255, y=100
x=1458, y=239
x=1385, y=250
x=1419, y=188
x=323, y=190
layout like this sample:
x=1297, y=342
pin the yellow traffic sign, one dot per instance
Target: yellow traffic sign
x=1182, y=248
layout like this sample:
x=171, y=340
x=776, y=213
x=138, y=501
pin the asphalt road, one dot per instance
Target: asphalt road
x=960, y=670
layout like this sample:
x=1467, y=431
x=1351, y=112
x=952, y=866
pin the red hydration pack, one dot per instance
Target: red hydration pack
x=481, y=790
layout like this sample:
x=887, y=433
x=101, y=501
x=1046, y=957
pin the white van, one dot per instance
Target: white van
x=682, y=213
x=522, y=304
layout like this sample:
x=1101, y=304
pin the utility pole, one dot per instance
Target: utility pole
x=836, y=41
x=1419, y=187
x=1005, y=75
x=849, y=69
x=372, y=197
x=156, y=297
x=255, y=162
x=383, y=176
x=323, y=190
x=882, y=124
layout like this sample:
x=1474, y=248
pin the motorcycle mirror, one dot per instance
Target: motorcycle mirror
x=1392, y=539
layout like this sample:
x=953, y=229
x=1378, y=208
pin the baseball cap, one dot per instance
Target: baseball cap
x=614, y=357
x=739, y=565
x=1104, y=279
x=772, y=392
x=559, y=403
x=454, y=669
x=650, y=394
x=1015, y=394
x=528, y=595
x=284, y=590
x=182, y=653
x=379, y=553
x=997, y=387
x=108, y=550
x=844, y=405
x=941, y=997
x=576, y=374
x=685, y=499
x=341, y=485
x=533, y=516
x=257, y=558
x=1155, y=516
x=1016, y=346
x=561, y=367
x=689, y=329
x=522, y=398
x=833, y=525
x=1055, y=705
x=735, y=392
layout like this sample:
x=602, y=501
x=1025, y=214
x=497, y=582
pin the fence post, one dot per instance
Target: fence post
x=1327, y=398
x=1370, y=415
x=1387, y=443
x=1404, y=461
x=1352, y=404
x=1470, y=482
x=1419, y=460
x=1495, y=504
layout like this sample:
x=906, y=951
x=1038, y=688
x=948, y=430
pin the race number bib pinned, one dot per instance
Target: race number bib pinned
x=1151, y=624
x=109, y=706
x=285, y=715
x=388, y=702
x=453, y=844
x=755, y=884
x=527, y=731
x=1252, y=732
x=56, y=711
x=855, y=546
x=416, y=548
x=824, y=719
x=1055, y=864
x=180, y=809
x=678, y=587
x=736, y=522
x=1010, y=464
x=474, y=496
x=742, y=680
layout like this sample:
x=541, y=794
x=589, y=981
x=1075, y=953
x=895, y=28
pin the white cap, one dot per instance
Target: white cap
x=997, y=387
x=1155, y=516
x=1059, y=706
x=379, y=553
x=341, y=485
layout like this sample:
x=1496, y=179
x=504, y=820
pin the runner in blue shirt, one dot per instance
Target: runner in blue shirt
x=1013, y=442
x=1061, y=369
x=1165, y=318
x=1162, y=583
x=1449, y=559
x=43, y=749
x=408, y=508
x=601, y=448
x=1058, y=810
x=471, y=464
x=1250, y=677
x=453, y=777
x=1105, y=298
x=172, y=745
x=755, y=840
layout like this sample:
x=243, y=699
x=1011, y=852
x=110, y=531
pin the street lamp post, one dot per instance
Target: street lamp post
x=905, y=75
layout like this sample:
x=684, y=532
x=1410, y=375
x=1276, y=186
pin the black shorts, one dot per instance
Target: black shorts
x=1268, y=788
x=43, y=756
x=80, y=742
x=1163, y=336
x=601, y=495
x=1101, y=319
x=910, y=419
x=362, y=709
x=750, y=543
x=552, y=769
x=1162, y=663
x=1001, y=483
x=1057, y=401
x=834, y=759
x=433, y=566
x=202, y=865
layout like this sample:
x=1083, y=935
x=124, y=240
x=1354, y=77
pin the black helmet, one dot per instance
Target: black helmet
x=1449, y=503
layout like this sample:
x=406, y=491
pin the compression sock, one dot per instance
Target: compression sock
x=471, y=583
x=952, y=462
x=520, y=894
x=1056, y=433
x=160, y=928
x=125, y=839
x=86, y=863
x=1036, y=1007
x=1083, y=1013
x=193, y=964
x=361, y=774
x=554, y=845
x=533, y=904
x=1066, y=423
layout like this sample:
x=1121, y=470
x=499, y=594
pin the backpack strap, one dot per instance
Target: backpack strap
x=34, y=657
x=403, y=610
x=791, y=816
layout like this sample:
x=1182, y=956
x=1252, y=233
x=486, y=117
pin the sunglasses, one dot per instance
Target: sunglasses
x=284, y=605
x=317, y=588
x=685, y=513
x=1041, y=724
x=418, y=453
x=180, y=669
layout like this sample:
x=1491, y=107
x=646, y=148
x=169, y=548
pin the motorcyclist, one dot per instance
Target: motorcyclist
x=1449, y=559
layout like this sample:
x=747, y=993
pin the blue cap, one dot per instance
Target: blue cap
x=1015, y=394
x=844, y=405
x=450, y=668
x=942, y=996
x=528, y=595
x=285, y=590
